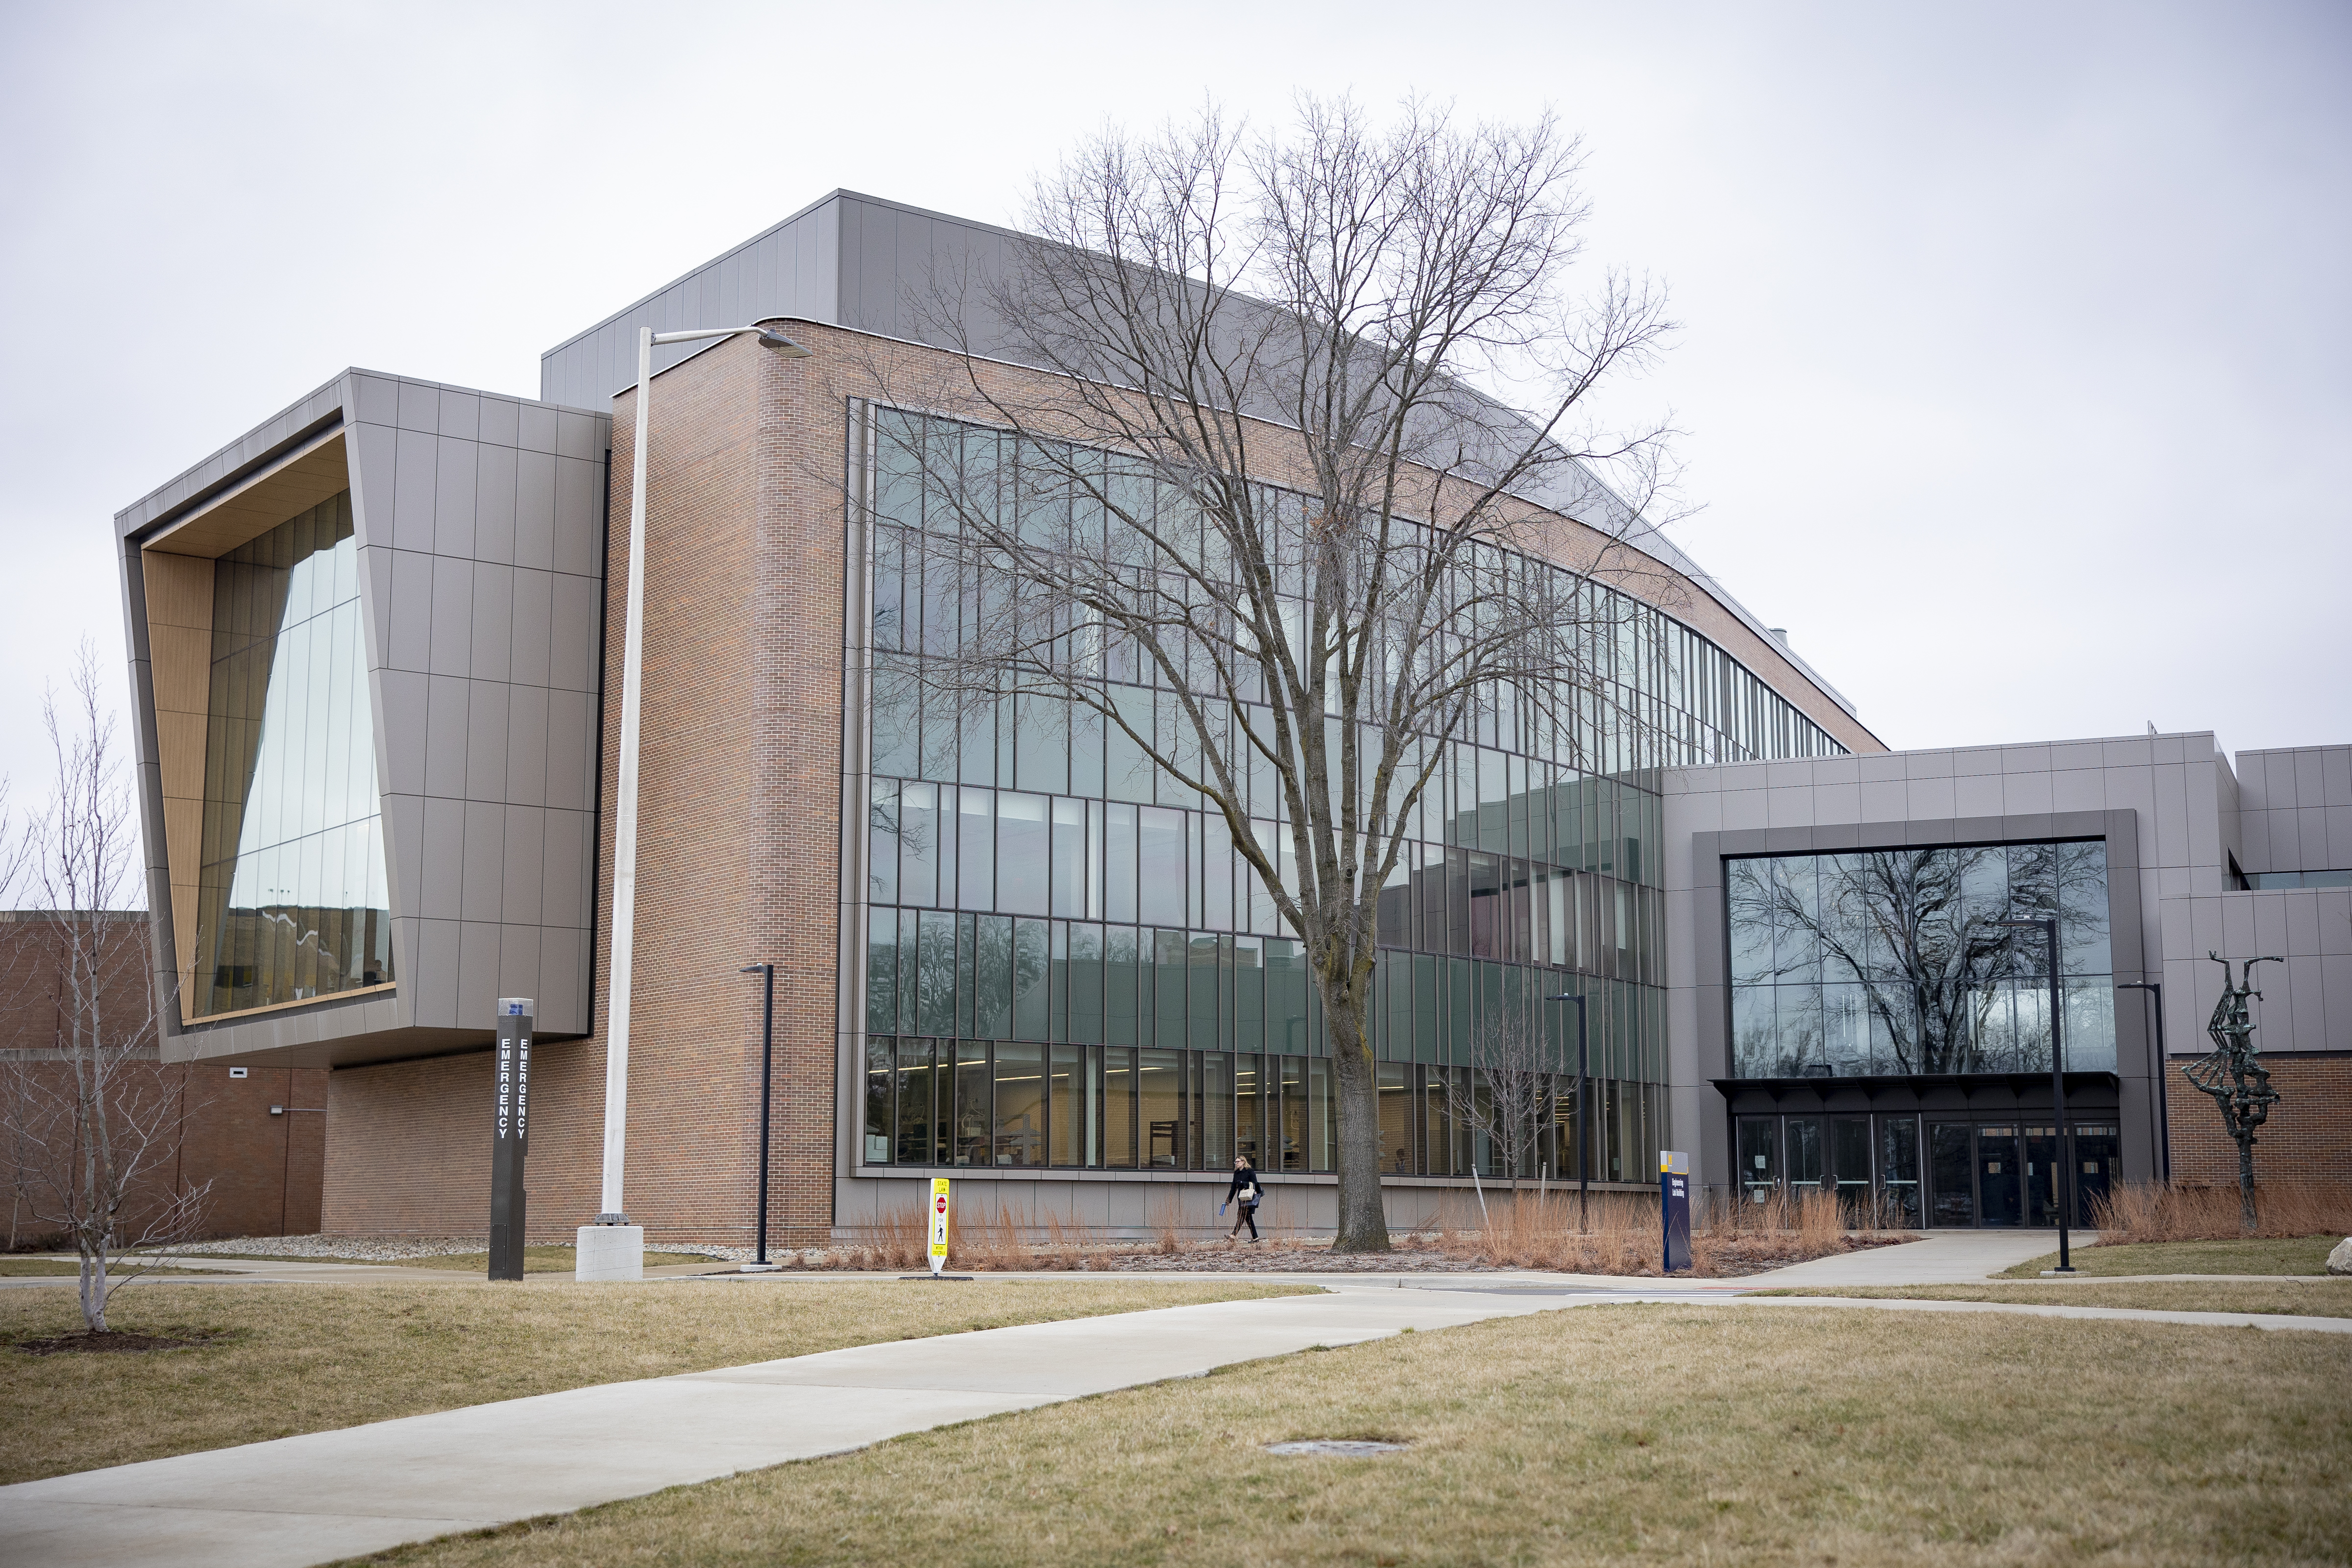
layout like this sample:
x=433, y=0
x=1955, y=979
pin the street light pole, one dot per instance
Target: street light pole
x=767, y=972
x=2163, y=1110
x=1583, y=1118
x=627, y=1260
x=2049, y=928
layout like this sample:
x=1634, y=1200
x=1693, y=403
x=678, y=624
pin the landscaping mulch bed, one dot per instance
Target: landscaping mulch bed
x=1729, y=1259
x=113, y=1339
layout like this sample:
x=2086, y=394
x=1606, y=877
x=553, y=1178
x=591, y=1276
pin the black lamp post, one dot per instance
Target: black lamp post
x=1583, y=1121
x=767, y=973
x=2163, y=1111
x=2049, y=928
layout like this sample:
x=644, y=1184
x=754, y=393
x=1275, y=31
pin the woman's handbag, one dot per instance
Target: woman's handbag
x=1248, y=1195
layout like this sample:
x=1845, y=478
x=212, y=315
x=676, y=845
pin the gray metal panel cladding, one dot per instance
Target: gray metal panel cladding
x=476, y=518
x=790, y=269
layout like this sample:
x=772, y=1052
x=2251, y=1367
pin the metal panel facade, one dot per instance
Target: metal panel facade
x=480, y=523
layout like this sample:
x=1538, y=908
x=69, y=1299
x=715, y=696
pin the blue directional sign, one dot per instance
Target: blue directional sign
x=1674, y=1208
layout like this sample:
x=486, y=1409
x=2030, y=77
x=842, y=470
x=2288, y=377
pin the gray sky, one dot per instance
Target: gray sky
x=2014, y=382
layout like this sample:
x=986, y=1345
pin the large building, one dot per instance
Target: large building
x=376, y=648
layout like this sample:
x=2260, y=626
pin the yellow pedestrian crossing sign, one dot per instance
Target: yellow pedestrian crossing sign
x=939, y=1222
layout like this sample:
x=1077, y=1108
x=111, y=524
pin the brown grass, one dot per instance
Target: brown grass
x=284, y=1359
x=2311, y=1299
x=1531, y=1229
x=2258, y=1255
x=1622, y=1236
x=2154, y=1211
x=1717, y=1435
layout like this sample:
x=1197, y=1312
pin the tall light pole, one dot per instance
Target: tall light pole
x=767, y=973
x=2155, y=989
x=1583, y=1118
x=2048, y=926
x=620, y=1254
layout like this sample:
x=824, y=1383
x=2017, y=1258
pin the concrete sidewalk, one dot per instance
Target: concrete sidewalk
x=1941, y=1258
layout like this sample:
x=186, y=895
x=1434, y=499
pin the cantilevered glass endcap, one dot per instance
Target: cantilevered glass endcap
x=293, y=903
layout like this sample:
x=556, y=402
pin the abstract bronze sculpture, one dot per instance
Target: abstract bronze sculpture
x=2232, y=1073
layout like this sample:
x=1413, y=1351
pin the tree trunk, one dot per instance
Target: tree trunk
x=2246, y=1219
x=1363, y=1225
x=93, y=1291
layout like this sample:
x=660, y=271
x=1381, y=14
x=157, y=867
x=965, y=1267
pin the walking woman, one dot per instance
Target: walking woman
x=1243, y=1192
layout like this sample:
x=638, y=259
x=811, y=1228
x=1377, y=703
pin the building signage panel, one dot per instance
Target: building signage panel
x=1674, y=1208
x=510, y=1137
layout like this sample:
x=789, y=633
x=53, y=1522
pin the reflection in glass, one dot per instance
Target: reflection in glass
x=293, y=902
x=968, y=1129
x=1118, y=1107
x=1759, y=1156
x=1896, y=962
x=915, y=1140
x=878, y=1074
x=1162, y=1114
x=2000, y=1184
x=1020, y=1137
x=1898, y=1168
x=1951, y=1172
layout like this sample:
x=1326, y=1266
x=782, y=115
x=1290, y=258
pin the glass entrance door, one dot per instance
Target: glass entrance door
x=1899, y=1169
x=2046, y=1178
x=1849, y=1162
x=2000, y=1192
x=2098, y=1147
x=1759, y=1156
x=1804, y=1134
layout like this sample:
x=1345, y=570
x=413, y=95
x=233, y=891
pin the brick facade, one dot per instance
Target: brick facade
x=259, y=1140
x=2307, y=1139
x=737, y=857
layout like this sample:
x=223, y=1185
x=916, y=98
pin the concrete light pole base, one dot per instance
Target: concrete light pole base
x=611, y=1252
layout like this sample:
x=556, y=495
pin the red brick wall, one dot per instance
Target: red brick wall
x=265, y=1171
x=2307, y=1138
x=413, y=1139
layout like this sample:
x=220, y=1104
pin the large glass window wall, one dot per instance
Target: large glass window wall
x=1036, y=884
x=293, y=903
x=1015, y=1104
x=1893, y=962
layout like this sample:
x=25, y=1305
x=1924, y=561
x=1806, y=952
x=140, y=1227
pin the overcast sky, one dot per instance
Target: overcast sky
x=2014, y=351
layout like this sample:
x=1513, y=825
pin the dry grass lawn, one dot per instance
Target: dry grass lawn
x=306, y=1358
x=2312, y=1298
x=2297, y=1255
x=67, y=1268
x=542, y=1261
x=1670, y=1434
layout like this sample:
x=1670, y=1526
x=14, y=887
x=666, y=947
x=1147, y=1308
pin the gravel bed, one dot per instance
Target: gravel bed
x=389, y=1248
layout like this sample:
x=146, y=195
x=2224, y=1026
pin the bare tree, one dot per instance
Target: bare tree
x=96, y=1137
x=1258, y=520
x=1511, y=1096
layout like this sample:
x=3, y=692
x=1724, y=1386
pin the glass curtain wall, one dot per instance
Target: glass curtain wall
x=293, y=902
x=1035, y=881
x=1893, y=962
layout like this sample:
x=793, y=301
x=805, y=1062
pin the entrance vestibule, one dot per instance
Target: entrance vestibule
x=1976, y=1173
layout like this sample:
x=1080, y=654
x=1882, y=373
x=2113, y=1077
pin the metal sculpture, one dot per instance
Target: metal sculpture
x=2232, y=1073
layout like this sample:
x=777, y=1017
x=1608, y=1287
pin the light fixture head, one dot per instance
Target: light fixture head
x=771, y=339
